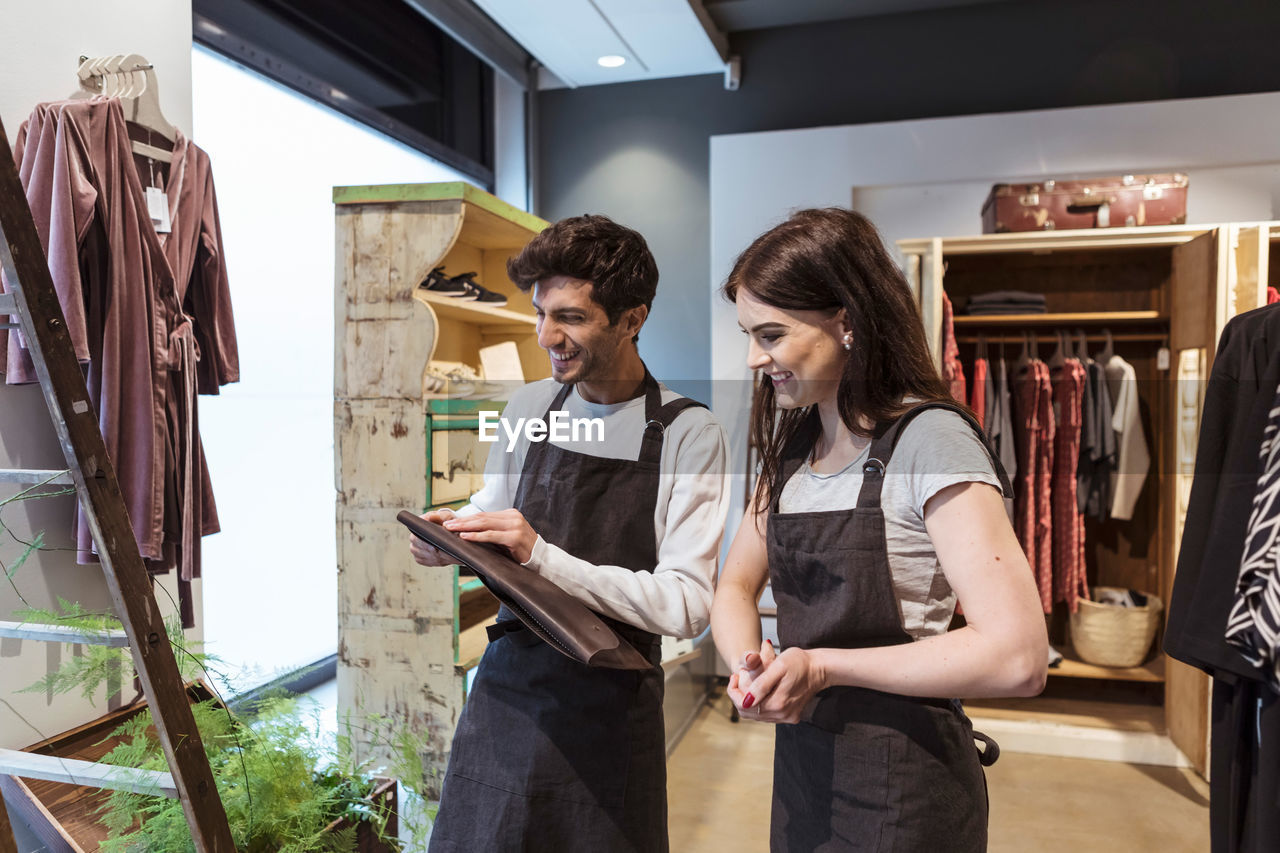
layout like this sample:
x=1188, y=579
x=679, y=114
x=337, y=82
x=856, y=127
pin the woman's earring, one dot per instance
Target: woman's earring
x=848, y=340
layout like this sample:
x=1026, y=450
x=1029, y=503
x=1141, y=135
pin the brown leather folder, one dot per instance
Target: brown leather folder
x=565, y=623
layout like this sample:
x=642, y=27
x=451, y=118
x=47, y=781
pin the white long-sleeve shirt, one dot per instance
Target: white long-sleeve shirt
x=693, y=500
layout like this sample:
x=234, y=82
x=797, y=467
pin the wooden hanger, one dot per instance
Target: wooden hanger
x=133, y=80
x=1028, y=352
x=1059, y=357
x=1082, y=346
x=1108, y=349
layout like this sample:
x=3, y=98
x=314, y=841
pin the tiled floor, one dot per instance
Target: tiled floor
x=719, y=792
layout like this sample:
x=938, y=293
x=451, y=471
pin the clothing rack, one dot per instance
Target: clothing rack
x=1151, y=337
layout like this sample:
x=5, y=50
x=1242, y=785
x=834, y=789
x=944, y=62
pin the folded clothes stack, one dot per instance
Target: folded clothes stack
x=1007, y=302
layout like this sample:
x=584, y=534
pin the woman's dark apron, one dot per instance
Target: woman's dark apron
x=868, y=770
x=551, y=754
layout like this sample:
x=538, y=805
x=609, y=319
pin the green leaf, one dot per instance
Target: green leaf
x=33, y=545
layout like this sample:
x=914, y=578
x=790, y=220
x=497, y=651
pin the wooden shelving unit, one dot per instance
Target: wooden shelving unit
x=1069, y=318
x=1072, y=667
x=408, y=636
x=476, y=313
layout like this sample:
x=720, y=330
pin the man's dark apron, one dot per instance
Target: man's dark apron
x=868, y=770
x=551, y=754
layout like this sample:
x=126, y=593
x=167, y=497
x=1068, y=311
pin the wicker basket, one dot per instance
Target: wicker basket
x=1107, y=635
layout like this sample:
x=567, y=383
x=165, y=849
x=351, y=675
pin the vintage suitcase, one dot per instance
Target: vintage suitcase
x=1092, y=203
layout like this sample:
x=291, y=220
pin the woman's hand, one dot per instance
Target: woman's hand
x=750, y=667
x=784, y=692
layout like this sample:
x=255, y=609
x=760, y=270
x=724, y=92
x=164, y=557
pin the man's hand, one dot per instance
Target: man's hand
x=506, y=528
x=424, y=554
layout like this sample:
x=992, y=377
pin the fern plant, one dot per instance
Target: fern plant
x=281, y=783
x=278, y=783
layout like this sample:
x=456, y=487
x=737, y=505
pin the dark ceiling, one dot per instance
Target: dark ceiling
x=733, y=16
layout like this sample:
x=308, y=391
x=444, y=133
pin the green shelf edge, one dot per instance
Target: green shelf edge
x=385, y=193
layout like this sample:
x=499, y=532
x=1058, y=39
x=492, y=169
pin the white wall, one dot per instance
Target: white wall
x=511, y=167
x=929, y=178
x=41, y=44
x=270, y=586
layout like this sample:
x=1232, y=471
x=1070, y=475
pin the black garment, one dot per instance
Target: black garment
x=1097, y=446
x=1244, y=760
x=868, y=770
x=1244, y=806
x=551, y=754
x=1006, y=302
x=1237, y=401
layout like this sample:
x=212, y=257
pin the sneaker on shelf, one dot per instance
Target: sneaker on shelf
x=437, y=282
x=477, y=293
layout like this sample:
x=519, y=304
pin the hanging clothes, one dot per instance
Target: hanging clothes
x=981, y=372
x=1244, y=761
x=1254, y=624
x=1034, y=431
x=1133, y=459
x=952, y=369
x=114, y=276
x=999, y=417
x=1069, y=583
x=203, y=352
x=1273, y=295
x=1098, y=446
x=112, y=281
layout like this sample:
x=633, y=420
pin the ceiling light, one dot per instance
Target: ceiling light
x=612, y=61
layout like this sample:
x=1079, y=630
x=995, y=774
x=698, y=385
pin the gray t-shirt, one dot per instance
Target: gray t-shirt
x=937, y=449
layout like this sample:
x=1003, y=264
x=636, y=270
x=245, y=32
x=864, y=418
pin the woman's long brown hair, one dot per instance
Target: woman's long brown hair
x=824, y=260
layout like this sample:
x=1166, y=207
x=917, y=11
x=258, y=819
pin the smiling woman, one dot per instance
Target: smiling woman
x=878, y=508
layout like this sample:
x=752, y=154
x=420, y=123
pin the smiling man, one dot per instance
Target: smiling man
x=550, y=754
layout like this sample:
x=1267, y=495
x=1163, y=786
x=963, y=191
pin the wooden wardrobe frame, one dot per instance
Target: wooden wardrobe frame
x=1174, y=286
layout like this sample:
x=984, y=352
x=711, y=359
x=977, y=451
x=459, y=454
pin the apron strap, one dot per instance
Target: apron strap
x=652, y=398
x=656, y=425
x=657, y=416
x=883, y=444
x=558, y=403
x=990, y=749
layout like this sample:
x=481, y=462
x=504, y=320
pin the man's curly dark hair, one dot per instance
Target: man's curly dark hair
x=594, y=248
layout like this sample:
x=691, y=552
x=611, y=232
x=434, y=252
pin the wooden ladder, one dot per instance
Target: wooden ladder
x=32, y=298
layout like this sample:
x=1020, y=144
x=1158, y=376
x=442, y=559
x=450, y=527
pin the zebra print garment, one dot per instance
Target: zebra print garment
x=1254, y=624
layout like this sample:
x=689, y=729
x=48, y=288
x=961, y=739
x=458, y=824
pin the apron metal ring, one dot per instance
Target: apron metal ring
x=655, y=423
x=873, y=465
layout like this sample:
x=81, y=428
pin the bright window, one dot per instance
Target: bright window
x=270, y=590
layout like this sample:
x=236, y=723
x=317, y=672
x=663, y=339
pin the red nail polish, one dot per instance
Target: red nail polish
x=770, y=642
x=748, y=701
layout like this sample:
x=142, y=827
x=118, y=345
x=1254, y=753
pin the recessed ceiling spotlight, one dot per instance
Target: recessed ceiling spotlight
x=612, y=61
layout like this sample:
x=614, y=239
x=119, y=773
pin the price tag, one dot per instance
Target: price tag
x=158, y=209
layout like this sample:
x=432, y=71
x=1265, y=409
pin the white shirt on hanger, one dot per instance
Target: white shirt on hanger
x=1133, y=460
